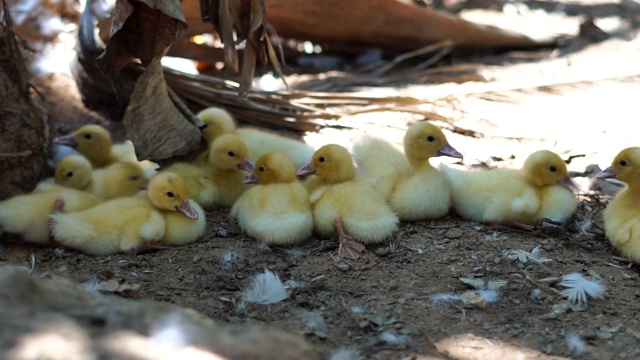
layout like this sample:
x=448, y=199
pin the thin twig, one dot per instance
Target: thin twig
x=17, y=154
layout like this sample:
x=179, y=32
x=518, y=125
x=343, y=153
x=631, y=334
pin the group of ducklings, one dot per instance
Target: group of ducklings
x=103, y=201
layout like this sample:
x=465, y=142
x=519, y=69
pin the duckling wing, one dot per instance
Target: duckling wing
x=380, y=164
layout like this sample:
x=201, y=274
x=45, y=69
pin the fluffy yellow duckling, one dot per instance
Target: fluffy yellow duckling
x=184, y=218
x=227, y=166
x=95, y=143
x=622, y=215
x=413, y=187
x=28, y=214
x=131, y=223
x=116, y=180
x=277, y=210
x=73, y=171
x=541, y=189
x=259, y=142
x=344, y=205
x=199, y=185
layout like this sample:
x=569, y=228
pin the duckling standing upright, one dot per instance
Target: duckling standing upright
x=130, y=223
x=345, y=206
x=259, y=142
x=541, y=189
x=414, y=188
x=622, y=215
x=277, y=210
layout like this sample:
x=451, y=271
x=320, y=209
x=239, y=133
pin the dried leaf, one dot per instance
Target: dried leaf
x=247, y=20
x=142, y=29
x=154, y=125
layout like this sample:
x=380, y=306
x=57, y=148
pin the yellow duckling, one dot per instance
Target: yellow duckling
x=227, y=166
x=73, y=171
x=95, y=143
x=344, y=205
x=622, y=215
x=413, y=187
x=259, y=142
x=541, y=189
x=184, y=218
x=28, y=214
x=116, y=180
x=277, y=210
x=132, y=223
x=199, y=185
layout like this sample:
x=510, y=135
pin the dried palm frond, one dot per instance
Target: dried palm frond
x=246, y=19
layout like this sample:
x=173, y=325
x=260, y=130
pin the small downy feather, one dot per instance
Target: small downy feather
x=575, y=344
x=265, y=289
x=578, y=288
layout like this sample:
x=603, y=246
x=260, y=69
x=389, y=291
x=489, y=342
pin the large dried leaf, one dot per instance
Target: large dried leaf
x=142, y=29
x=156, y=127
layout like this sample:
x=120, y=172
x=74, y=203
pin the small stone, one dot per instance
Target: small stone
x=343, y=266
x=197, y=258
x=383, y=251
x=497, y=260
x=454, y=233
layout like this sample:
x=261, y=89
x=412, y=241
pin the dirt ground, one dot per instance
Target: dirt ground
x=403, y=298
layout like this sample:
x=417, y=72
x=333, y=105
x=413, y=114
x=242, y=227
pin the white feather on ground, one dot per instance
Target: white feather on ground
x=578, y=288
x=265, y=289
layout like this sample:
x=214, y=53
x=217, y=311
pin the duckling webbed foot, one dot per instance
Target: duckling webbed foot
x=348, y=247
x=58, y=206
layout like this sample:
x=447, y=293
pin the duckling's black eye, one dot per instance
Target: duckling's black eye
x=623, y=163
x=87, y=136
x=70, y=174
x=171, y=194
x=133, y=177
x=322, y=159
x=231, y=153
x=553, y=168
x=261, y=169
x=431, y=138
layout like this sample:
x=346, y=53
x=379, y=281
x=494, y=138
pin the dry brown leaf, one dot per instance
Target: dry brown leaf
x=142, y=29
x=246, y=19
x=154, y=125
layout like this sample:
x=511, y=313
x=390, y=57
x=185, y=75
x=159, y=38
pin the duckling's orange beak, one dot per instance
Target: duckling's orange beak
x=307, y=169
x=66, y=140
x=247, y=166
x=448, y=150
x=188, y=210
x=606, y=173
